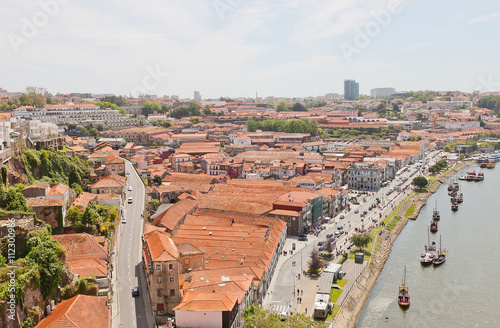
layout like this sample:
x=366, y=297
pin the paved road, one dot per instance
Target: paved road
x=130, y=274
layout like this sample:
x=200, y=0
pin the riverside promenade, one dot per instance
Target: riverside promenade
x=353, y=304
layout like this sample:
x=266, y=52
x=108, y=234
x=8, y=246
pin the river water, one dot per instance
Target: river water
x=465, y=290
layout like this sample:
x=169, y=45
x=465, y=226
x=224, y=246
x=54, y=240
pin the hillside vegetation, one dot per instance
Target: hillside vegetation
x=54, y=167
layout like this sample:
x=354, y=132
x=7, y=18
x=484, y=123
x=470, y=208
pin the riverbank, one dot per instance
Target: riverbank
x=353, y=305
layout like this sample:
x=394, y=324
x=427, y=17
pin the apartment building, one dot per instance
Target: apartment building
x=366, y=177
x=76, y=114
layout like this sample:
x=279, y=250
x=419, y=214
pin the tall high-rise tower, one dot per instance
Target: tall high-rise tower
x=351, y=90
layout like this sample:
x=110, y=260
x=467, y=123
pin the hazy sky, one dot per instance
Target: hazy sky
x=237, y=47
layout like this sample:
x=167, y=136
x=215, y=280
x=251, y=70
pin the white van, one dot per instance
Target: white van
x=129, y=188
x=130, y=200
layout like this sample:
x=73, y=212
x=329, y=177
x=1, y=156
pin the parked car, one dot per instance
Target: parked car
x=124, y=219
x=135, y=291
x=356, y=211
x=338, y=233
x=320, y=243
x=342, y=217
x=340, y=228
x=302, y=238
x=362, y=215
x=330, y=235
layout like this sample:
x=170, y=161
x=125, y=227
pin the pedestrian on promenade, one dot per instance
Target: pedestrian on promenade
x=301, y=292
x=306, y=310
x=298, y=291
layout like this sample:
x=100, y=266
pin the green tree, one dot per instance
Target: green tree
x=258, y=317
x=314, y=260
x=4, y=175
x=165, y=124
x=282, y=106
x=316, y=104
x=157, y=179
x=117, y=100
x=45, y=252
x=90, y=216
x=14, y=200
x=24, y=100
x=194, y=120
x=74, y=215
x=28, y=322
x=150, y=107
x=298, y=107
x=361, y=240
x=329, y=245
x=165, y=108
x=37, y=95
x=419, y=182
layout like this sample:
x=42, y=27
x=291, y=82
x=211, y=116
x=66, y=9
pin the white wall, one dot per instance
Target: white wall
x=195, y=319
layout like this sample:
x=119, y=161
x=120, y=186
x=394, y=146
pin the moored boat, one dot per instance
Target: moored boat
x=491, y=164
x=434, y=226
x=471, y=176
x=441, y=256
x=454, y=206
x=435, y=213
x=427, y=257
x=404, y=295
x=480, y=176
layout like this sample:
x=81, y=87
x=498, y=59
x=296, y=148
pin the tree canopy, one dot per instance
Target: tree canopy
x=491, y=102
x=314, y=260
x=298, y=107
x=419, y=182
x=303, y=125
x=37, y=96
x=282, y=106
x=361, y=240
x=119, y=101
x=258, y=317
x=150, y=107
x=193, y=109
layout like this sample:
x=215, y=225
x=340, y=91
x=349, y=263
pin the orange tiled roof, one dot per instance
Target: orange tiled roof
x=45, y=202
x=161, y=246
x=207, y=302
x=81, y=311
x=81, y=245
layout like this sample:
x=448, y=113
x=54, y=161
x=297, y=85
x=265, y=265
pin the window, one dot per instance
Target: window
x=172, y=292
x=158, y=279
x=172, y=278
x=159, y=292
x=158, y=266
x=170, y=266
x=186, y=261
